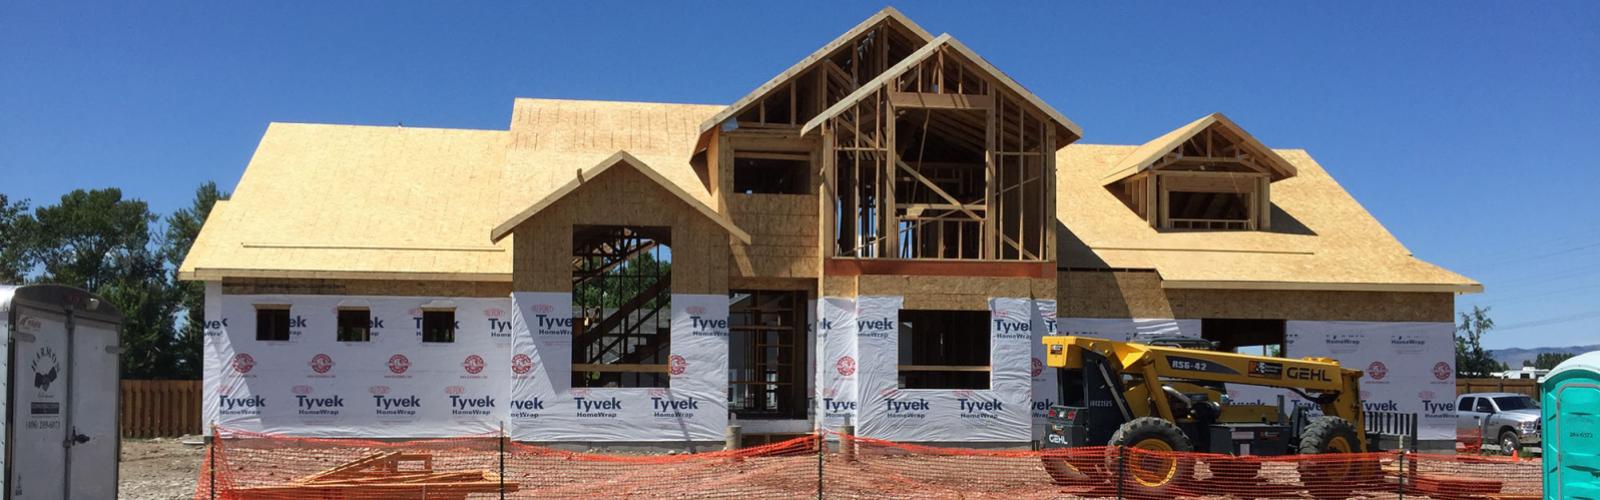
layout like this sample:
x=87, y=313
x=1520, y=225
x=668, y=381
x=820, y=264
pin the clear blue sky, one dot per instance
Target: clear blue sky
x=1471, y=129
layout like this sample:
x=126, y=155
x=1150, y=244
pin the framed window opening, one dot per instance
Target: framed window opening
x=272, y=322
x=766, y=353
x=944, y=349
x=622, y=306
x=355, y=325
x=1265, y=337
x=439, y=326
x=767, y=172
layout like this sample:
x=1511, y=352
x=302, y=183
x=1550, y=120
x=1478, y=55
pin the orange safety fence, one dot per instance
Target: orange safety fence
x=254, y=466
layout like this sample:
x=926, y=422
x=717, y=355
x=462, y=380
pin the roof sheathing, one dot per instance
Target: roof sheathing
x=1322, y=239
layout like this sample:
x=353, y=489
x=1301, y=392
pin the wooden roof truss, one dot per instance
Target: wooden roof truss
x=940, y=161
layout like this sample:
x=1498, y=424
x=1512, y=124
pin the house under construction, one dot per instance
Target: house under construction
x=874, y=224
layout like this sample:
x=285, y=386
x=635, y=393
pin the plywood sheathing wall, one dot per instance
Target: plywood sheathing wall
x=397, y=288
x=783, y=234
x=1138, y=294
x=542, y=252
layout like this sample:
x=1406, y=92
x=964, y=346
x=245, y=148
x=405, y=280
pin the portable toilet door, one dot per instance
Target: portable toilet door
x=64, y=392
x=1570, y=396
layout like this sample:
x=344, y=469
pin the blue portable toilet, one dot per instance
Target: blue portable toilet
x=1570, y=395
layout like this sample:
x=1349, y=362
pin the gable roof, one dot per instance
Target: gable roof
x=359, y=202
x=619, y=158
x=922, y=54
x=1322, y=238
x=804, y=64
x=1147, y=154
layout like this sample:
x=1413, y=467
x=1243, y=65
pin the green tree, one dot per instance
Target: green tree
x=1548, y=360
x=101, y=242
x=14, y=262
x=1471, y=360
x=183, y=226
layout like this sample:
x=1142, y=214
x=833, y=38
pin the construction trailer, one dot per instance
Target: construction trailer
x=60, y=373
x=877, y=235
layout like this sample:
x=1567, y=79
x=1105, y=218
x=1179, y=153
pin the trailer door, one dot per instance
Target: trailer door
x=39, y=410
x=95, y=385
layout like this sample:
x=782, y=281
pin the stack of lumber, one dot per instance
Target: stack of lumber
x=383, y=475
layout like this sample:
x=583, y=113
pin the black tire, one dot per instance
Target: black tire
x=1336, y=478
x=1159, y=470
x=1509, y=443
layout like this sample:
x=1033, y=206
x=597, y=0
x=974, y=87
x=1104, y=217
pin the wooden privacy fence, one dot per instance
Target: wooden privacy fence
x=160, y=408
x=1519, y=386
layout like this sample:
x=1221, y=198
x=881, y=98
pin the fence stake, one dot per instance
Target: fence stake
x=211, y=469
x=502, y=460
x=1402, y=481
x=822, y=449
x=1122, y=469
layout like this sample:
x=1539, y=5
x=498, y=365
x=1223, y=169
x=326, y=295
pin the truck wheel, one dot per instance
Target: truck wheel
x=1509, y=443
x=1153, y=460
x=1335, y=476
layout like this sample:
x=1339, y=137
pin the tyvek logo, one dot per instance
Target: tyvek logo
x=321, y=363
x=398, y=364
x=243, y=363
x=1006, y=328
x=473, y=364
x=846, y=366
x=1037, y=368
x=1442, y=370
x=521, y=364
x=907, y=408
x=1377, y=370
x=979, y=408
x=676, y=365
x=45, y=368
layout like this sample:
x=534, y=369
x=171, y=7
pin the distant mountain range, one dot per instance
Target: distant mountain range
x=1514, y=356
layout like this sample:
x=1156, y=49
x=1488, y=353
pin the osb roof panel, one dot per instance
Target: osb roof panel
x=552, y=139
x=1321, y=236
x=359, y=199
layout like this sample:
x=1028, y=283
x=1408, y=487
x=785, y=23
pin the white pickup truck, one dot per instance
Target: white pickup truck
x=1502, y=421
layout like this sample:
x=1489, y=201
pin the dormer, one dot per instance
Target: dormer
x=1209, y=175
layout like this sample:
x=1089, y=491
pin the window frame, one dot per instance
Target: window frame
x=432, y=315
x=595, y=372
x=949, y=374
x=800, y=185
x=781, y=399
x=271, y=313
x=365, y=330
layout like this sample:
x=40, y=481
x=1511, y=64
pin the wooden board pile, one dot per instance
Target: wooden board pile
x=393, y=474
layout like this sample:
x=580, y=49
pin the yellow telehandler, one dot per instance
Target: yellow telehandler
x=1169, y=395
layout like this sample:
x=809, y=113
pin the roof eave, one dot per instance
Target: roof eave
x=1457, y=288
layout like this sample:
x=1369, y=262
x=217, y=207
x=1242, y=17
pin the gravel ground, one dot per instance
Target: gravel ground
x=159, y=469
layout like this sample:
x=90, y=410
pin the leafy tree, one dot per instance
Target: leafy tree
x=1548, y=360
x=1471, y=360
x=101, y=242
x=183, y=226
x=14, y=262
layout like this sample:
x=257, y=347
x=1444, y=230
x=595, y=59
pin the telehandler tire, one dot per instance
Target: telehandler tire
x=1336, y=476
x=1152, y=462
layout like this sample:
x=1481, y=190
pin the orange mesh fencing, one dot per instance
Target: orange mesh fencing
x=254, y=466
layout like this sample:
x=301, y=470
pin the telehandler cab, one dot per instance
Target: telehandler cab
x=1160, y=397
